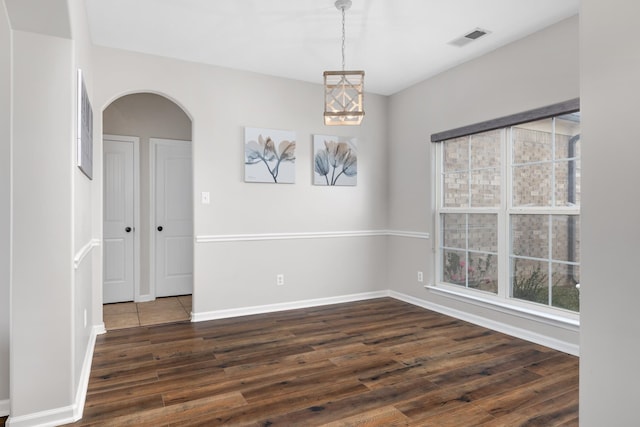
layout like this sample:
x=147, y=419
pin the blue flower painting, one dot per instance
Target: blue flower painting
x=335, y=160
x=269, y=155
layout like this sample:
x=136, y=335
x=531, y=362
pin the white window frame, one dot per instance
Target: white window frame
x=502, y=299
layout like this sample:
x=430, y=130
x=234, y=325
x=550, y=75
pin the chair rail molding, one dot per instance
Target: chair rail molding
x=309, y=235
x=84, y=251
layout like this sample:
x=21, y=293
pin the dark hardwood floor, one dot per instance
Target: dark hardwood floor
x=380, y=362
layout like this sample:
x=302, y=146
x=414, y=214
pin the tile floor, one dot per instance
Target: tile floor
x=132, y=314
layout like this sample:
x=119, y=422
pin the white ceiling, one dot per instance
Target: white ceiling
x=397, y=42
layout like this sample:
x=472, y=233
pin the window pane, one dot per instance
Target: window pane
x=565, y=295
x=456, y=155
x=454, y=230
x=532, y=185
x=566, y=188
x=565, y=231
x=562, y=147
x=485, y=149
x=455, y=191
x=530, y=235
x=568, y=136
x=567, y=147
x=577, y=149
x=483, y=232
x=485, y=188
x=453, y=269
x=532, y=142
x=530, y=280
x=483, y=272
x=578, y=180
x=567, y=183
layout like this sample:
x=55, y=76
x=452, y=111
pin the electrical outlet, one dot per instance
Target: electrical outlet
x=280, y=279
x=420, y=277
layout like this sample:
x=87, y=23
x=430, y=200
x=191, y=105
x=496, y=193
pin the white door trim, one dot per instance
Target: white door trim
x=136, y=208
x=153, y=144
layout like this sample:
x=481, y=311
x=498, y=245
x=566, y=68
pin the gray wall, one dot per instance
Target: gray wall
x=52, y=213
x=42, y=223
x=145, y=115
x=5, y=203
x=610, y=324
x=538, y=70
x=242, y=273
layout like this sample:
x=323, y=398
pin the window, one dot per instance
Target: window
x=508, y=209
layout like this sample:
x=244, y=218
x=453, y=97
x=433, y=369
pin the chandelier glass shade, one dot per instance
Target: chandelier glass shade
x=343, y=97
x=343, y=90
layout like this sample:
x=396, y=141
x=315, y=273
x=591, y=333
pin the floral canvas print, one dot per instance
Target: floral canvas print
x=335, y=160
x=269, y=155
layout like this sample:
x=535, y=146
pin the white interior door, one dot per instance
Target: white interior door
x=118, y=220
x=173, y=217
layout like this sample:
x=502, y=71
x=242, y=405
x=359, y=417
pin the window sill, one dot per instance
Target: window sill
x=570, y=322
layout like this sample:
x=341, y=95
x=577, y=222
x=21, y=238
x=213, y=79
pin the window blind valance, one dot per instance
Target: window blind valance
x=566, y=107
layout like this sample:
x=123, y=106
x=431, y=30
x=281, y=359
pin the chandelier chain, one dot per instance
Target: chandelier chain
x=343, y=38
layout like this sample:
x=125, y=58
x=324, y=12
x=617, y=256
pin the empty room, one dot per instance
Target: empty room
x=318, y=212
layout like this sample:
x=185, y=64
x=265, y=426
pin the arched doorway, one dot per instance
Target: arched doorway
x=147, y=215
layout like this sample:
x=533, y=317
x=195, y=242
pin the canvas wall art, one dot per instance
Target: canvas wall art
x=85, y=130
x=269, y=155
x=335, y=160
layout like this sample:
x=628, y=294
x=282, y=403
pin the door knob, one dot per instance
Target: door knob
x=159, y=228
x=128, y=229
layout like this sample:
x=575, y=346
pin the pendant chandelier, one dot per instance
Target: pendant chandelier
x=343, y=90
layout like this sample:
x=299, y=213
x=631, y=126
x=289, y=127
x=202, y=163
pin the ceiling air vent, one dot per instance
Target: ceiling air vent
x=472, y=35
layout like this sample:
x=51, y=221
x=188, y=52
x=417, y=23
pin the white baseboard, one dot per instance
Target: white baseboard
x=81, y=394
x=505, y=328
x=50, y=418
x=5, y=405
x=271, y=308
x=145, y=298
x=100, y=329
x=66, y=414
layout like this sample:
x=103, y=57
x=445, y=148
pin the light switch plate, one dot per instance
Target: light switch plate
x=205, y=198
